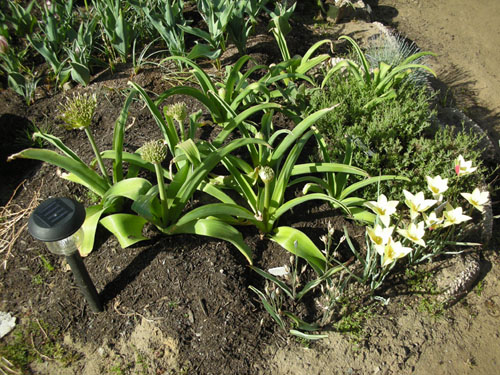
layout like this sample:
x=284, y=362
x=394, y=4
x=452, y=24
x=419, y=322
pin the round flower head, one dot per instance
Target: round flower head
x=437, y=186
x=477, y=199
x=463, y=167
x=266, y=174
x=178, y=111
x=153, y=151
x=78, y=111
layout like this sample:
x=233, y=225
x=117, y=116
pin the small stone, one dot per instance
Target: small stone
x=7, y=323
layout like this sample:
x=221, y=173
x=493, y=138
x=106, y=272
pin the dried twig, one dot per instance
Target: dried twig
x=6, y=365
x=13, y=223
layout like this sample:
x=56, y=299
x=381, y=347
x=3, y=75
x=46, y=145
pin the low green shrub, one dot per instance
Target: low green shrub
x=396, y=137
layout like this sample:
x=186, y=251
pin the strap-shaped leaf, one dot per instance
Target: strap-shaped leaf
x=361, y=56
x=299, y=200
x=307, y=336
x=118, y=134
x=126, y=228
x=232, y=79
x=201, y=172
x=80, y=73
x=148, y=206
x=297, y=132
x=58, y=143
x=87, y=176
x=216, y=229
x=372, y=180
x=299, y=244
x=313, y=48
x=326, y=167
x=170, y=136
x=275, y=280
x=216, y=210
x=233, y=123
x=274, y=314
x=89, y=227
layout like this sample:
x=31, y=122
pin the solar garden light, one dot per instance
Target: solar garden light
x=57, y=222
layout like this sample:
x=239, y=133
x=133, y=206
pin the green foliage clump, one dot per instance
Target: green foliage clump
x=394, y=137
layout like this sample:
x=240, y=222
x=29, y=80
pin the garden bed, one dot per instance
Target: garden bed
x=182, y=304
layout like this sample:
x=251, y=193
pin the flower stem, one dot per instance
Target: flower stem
x=97, y=154
x=265, y=210
x=161, y=190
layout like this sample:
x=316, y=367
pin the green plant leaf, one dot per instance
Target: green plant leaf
x=131, y=188
x=297, y=132
x=216, y=210
x=372, y=180
x=217, y=229
x=299, y=200
x=287, y=236
x=80, y=73
x=55, y=141
x=326, y=167
x=127, y=228
x=275, y=280
x=203, y=50
x=199, y=174
x=306, y=336
x=268, y=307
x=118, y=134
x=89, y=178
x=300, y=324
x=89, y=227
x=170, y=136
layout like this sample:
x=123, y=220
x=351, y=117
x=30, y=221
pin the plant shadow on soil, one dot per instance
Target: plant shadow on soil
x=193, y=289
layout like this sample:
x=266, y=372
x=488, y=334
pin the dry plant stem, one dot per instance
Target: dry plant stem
x=97, y=154
x=9, y=227
x=6, y=365
x=37, y=352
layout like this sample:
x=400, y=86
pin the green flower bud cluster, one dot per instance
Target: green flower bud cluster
x=266, y=174
x=178, y=111
x=78, y=111
x=154, y=151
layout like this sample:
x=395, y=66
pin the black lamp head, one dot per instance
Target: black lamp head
x=55, y=219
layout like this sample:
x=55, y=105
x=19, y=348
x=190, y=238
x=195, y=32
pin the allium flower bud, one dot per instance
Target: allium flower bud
x=178, y=111
x=4, y=44
x=78, y=111
x=266, y=174
x=153, y=151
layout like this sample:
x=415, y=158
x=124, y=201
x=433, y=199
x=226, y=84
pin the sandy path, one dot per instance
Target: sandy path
x=466, y=36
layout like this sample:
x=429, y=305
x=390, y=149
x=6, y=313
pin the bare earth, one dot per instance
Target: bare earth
x=466, y=37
